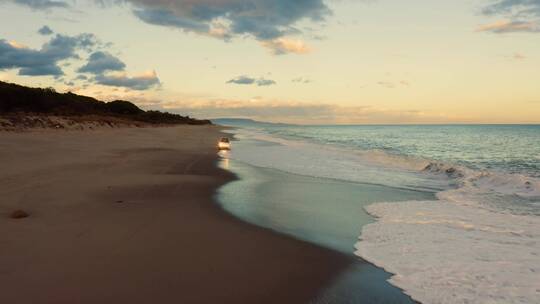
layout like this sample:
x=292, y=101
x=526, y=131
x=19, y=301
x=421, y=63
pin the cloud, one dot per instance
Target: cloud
x=520, y=16
x=242, y=80
x=247, y=80
x=140, y=82
x=44, y=61
x=301, y=80
x=300, y=112
x=270, y=22
x=260, y=18
x=282, y=46
x=100, y=62
x=393, y=85
x=507, y=26
x=265, y=82
x=45, y=30
x=516, y=8
x=48, y=59
x=264, y=20
x=44, y=70
x=42, y=4
x=165, y=17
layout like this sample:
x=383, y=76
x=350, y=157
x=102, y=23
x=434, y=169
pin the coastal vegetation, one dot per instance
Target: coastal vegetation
x=17, y=100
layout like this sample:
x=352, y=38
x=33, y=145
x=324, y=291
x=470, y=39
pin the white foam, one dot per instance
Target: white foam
x=489, y=181
x=328, y=161
x=441, y=252
x=480, y=243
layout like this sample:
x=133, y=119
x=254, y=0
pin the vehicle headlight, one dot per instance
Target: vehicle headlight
x=223, y=145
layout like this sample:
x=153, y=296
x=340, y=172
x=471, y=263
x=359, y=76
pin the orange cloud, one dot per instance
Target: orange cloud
x=508, y=26
x=17, y=45
x=282, y=46
x=301, y=112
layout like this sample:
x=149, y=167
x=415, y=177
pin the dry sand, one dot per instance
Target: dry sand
x=127, y=216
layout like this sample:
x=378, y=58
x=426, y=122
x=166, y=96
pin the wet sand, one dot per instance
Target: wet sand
x=127, y=216
x=326, y=212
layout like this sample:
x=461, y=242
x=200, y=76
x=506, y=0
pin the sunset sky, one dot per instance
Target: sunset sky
x=304, y=61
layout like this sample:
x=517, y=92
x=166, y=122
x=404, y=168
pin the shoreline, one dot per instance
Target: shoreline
x=130, y=216
x=476, y=227
x=297, y=206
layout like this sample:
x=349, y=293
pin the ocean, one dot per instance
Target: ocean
x=462, y=223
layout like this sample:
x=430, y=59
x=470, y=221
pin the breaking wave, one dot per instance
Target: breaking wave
x=479, y=242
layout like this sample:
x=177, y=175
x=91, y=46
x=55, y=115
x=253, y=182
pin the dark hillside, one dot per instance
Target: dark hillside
x=38, y=101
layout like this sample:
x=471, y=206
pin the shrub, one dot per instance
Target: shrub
x=19, y=99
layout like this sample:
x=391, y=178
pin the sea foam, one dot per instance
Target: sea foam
x=328, y=161
x=479, y=243
x=441, y=252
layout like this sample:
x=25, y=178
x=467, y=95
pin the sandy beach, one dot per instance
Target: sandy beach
x=127, y=216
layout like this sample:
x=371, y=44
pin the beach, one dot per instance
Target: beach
x=269, y=152
x=431, y=218
x=128, y=216
x=328, y=213
x=289, y=215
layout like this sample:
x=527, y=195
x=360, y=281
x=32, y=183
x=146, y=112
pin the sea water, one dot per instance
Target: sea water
x=479, y=241
x=325, y=212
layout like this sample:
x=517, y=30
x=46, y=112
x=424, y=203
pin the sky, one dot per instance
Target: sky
x=302, y=61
